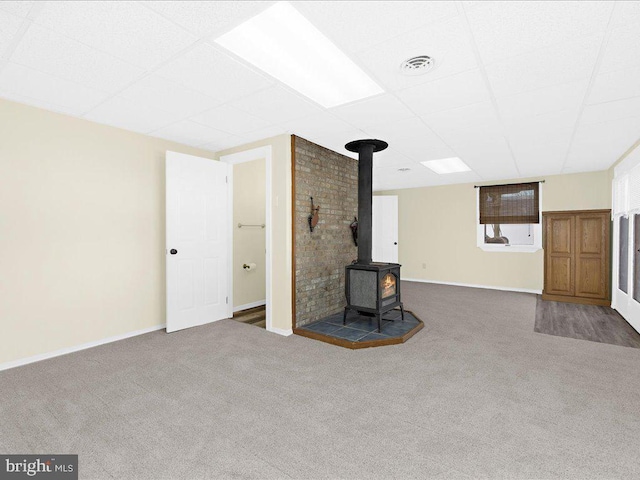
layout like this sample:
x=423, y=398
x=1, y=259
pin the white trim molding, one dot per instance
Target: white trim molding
x=248, y=156
x=77, y=348
x=247, y=306
x=285, y=332
x=489, y=287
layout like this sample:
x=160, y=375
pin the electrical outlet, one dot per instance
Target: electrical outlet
x=424, y=266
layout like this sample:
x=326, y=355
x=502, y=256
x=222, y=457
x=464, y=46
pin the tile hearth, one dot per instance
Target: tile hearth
x=361, y=331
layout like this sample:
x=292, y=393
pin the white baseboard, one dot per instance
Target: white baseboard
x=282, y=331
x=455, y=284
x=247, y=306
x=76, y=348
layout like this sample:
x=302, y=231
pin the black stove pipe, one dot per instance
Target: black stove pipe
x=365, y=150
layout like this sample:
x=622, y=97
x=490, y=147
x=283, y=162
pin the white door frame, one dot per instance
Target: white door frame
x=242, y=157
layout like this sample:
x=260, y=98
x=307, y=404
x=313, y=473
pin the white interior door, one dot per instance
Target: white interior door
x=626, y=239
x=384, y=244
x=197, y=240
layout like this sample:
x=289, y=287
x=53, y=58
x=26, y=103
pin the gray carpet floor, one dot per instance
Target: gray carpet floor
x=476, y=394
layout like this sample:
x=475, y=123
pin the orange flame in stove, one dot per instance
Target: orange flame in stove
x=388, y=285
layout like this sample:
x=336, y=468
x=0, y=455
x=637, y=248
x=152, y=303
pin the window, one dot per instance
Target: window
x=623, y=260
x=509, y=218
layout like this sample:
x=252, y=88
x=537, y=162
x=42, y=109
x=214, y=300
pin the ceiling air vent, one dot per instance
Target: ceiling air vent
x=417, y=65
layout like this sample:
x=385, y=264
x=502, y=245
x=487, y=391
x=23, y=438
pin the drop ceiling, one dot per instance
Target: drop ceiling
x=520, y=89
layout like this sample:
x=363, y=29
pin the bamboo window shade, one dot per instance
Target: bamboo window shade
x=508, y=204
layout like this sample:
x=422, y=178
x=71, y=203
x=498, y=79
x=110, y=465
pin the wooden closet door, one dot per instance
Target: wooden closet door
x=592, y=259
x=559, y=256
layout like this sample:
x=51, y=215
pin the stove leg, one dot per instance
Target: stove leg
x=344, y=316
x=379, y=323
x=402, y=312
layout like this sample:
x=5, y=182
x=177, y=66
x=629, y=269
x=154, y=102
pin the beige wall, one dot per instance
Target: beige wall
x=249, y=286
x=437, y=229
x=82, y=231
x=281, y=226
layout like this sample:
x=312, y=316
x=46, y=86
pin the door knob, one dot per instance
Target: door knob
x=173, y=251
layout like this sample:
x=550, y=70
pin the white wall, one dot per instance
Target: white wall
x=82, y=231
x=249, y=188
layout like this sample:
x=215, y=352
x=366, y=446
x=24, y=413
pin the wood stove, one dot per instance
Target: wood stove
x=371, y=288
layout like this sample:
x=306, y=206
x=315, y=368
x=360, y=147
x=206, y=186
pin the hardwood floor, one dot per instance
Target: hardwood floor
x=253, y=316
x=584, y=322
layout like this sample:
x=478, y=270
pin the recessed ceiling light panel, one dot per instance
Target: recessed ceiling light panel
x=417, y=65
x=447, y=165
x=283, y=43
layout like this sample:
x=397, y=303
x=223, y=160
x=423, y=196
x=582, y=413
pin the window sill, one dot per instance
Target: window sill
x=510, y=248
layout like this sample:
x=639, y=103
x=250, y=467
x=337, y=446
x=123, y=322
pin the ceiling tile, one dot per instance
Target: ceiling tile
x=540, y=159
x=525, y=139
x=157, y=92
x=206, y=18
x=276, y=105
x=318, y=125
x=545, y=67
x=598, y=146
x=230, y=119
x=261, y=134
x=44, y=91
x=423, y=148
x=506, y=29
x=493, y=167
x=9, y=26
x=52, y=53
x=455, y=91
x=192, y=133
x=220, y=145
x=446, y=42
x=486, y=153
x=615, y=86
x=122, y=113
x=540, y=143
x=543, y=127
x=413, y=139
x=411, y=127
x=355, y=26
x=209, y=71
x=18, y=8
x=610, y=111
x=372, y=110
x=389, y=178
x=566, y=96
x=625, y=13
x=391, y=157
x=479, y=117
x=126, y=30
x=622, y=50
x=337, y=140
